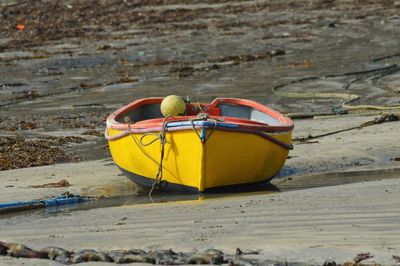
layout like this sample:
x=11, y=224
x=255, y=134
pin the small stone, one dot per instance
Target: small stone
x=198, y=259
x=129, y=258
x=53, y=252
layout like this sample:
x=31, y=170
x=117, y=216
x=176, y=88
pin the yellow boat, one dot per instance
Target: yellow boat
x=227, y=143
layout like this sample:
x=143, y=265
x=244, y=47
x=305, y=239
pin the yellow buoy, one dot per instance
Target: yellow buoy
x=173, y=105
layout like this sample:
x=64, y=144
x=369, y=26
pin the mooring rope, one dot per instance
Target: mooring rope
x=373, y=74
x=376, y=121
x=340, y=113
x=157, y=182
x=161, y=136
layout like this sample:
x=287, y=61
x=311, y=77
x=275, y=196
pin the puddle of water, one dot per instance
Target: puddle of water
x=335, y=178
x=280, y=185
x=157, y=198
x=287, y=171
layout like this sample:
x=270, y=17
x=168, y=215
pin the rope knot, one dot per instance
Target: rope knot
x=202, y=116
x=163, y=139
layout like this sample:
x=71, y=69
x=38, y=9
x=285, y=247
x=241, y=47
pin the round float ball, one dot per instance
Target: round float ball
x=173, y=105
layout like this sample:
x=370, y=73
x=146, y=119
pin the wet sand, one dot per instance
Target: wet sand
x=309, y=216
x=62, y=75
x=309, y=226
x=362, y=157
x=58, y=83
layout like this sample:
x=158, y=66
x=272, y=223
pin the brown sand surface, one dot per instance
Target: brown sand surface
x=363, y=154
x=311, y=225
x=318, y=219
x=65, y=65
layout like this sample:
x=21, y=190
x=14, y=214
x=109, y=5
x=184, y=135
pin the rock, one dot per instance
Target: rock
x=129, y=258
x=91, y=255
x=116, y=255
x=53, y=252
x=241, y=262
x=22, y=251
x=135, y=251
x=3, y=248
x=215, y=256
x=198, y=259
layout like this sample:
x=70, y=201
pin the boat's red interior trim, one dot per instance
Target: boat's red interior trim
x=156, y=124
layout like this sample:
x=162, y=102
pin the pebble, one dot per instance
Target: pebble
x=22, y=251
x=87, y=255
x=54, y=252
x=3, y=249
x=198, y=259
x=130, y=258
x=160, y=257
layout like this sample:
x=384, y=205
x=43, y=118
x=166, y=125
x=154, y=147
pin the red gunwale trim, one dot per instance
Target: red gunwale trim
x=155, y=124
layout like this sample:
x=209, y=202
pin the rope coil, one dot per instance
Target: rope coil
x=372, y=74
x=340, y=113
x=163, y=140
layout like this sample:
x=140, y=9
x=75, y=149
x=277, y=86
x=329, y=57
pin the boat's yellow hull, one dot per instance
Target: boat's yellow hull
x=227, y=158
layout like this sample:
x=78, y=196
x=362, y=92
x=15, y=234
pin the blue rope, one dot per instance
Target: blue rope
x=64, y=200
x=34, y=204
x=19, y=204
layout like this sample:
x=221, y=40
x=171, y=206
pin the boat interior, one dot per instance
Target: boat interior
x=152, y=111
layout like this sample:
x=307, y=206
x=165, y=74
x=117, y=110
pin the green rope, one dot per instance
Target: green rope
x=373, y=74
x=336, y=113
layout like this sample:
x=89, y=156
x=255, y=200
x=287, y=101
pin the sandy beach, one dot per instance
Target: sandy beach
x=309, y=217
x=337, y=195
